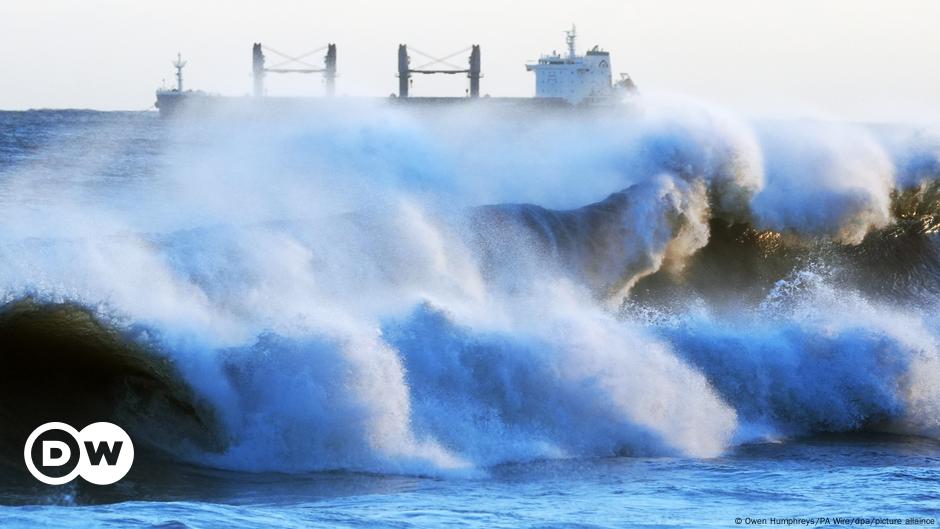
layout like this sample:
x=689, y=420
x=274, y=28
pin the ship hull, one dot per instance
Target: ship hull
x=175, y=104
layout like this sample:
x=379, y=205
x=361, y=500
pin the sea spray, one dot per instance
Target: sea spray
x=381, y=291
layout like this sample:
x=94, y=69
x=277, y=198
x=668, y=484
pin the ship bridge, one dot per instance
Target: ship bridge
x=575, y=78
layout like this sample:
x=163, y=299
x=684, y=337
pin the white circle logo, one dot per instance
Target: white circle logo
x=101, y=453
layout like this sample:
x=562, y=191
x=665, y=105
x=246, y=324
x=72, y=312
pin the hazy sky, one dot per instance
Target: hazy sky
x=843, y=59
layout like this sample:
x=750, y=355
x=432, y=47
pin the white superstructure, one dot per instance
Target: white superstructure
x=574, y=77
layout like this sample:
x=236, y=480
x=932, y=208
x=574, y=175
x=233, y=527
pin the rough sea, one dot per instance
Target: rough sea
x=660, y=315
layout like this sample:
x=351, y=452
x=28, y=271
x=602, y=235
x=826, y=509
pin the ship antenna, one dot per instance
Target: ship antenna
x=178, y=64
x=571, y=35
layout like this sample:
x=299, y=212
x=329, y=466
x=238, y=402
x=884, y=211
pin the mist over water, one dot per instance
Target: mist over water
x=384, y=290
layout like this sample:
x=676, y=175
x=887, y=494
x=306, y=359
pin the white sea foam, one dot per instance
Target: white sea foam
x=323, y=284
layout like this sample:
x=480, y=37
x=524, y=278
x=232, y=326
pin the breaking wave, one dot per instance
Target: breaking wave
x=385, y=292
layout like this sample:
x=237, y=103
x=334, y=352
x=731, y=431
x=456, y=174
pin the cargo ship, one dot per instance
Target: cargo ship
x=561, y=81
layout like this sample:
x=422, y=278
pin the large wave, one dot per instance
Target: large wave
x=384, y=291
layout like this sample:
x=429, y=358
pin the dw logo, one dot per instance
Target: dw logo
x=102, y=453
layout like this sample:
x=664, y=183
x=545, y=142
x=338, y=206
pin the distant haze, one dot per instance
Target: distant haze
x=851, y=59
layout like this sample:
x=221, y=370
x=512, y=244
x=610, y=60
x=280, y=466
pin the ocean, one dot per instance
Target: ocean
x=660, y=315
